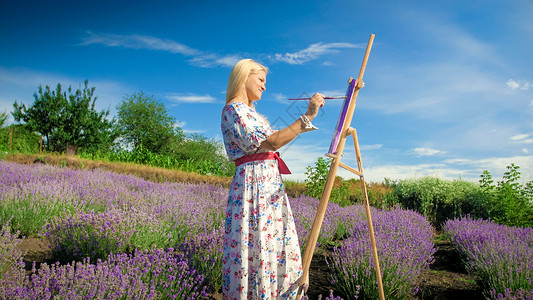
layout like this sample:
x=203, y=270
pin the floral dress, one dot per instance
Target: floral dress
x=262, y=258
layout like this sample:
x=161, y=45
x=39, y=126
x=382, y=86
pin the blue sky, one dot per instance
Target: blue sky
x=449, y=84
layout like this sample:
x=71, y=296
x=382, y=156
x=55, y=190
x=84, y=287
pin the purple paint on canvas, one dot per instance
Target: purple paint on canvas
x=342, y=117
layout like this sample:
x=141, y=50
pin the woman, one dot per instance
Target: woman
x=262, y=258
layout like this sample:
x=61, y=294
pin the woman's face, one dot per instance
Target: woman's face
x=255, y=85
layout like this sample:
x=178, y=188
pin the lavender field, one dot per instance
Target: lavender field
x=121, y=237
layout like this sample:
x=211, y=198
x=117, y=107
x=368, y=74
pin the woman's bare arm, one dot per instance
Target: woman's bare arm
x=286, y=135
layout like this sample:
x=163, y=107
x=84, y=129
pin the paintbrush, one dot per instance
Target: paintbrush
x=326, y=98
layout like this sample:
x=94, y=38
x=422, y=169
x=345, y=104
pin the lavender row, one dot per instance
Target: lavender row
x=501, y=256
x=403, y=240
x=96, y=235
x=157, y=274
x=36, y=194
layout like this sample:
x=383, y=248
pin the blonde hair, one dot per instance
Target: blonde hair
x=238, y=76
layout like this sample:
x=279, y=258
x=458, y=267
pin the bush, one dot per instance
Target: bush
x=438, y=199
x=508, y=202
x=203, y=162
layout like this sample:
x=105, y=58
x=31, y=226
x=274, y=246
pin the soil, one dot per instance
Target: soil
x=446, y=278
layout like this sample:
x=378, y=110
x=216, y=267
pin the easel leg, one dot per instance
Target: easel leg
x=368, y=215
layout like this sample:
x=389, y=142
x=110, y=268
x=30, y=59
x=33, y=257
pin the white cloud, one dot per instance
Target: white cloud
x=138, y=42
x=206, y=59
x=280, y=98
x=458, y=161
x=522, y=138
x=525, y=150
x=512, y=84
x=467, y=169
x=521, y=84
x=211, y=60
x=190, y=98
x=134, y=41
x=519, y=137
x=427, y=151
x=332, y=93
x=180, y=124
x=498, y=165
x=399, y=172
x=313, y=52
x=188, y=131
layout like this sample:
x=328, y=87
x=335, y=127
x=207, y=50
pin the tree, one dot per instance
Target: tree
x=144, y=121
x=3, y=118
x=66, y=117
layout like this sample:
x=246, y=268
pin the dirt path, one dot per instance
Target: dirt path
x=447, y=277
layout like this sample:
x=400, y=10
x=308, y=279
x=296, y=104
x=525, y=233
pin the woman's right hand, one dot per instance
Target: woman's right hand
x=315, y=103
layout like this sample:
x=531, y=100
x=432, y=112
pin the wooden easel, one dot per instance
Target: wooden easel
x=336, y=162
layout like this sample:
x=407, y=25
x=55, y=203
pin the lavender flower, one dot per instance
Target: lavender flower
x=204, y=251
x=501, y=256
x=96, y=235
x=10, y=257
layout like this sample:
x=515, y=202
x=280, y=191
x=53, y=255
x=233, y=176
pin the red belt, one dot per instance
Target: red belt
x=283, y=169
